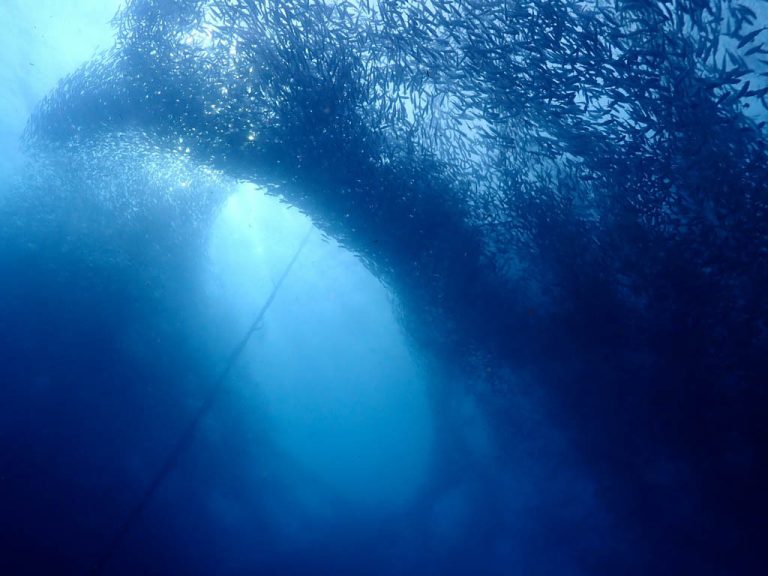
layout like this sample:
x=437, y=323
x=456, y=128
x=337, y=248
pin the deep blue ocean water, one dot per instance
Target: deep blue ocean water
x=387, y=288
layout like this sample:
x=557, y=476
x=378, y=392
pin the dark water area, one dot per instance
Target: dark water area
x=445, y=287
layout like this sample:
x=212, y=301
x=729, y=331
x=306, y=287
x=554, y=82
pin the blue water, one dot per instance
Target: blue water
x=322, y=287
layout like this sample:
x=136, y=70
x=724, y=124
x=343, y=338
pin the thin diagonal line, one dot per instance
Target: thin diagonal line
x=187, y=434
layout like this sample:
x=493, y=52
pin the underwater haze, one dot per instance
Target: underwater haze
x=384, y=287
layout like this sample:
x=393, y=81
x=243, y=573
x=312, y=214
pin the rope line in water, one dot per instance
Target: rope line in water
x=187, y=434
